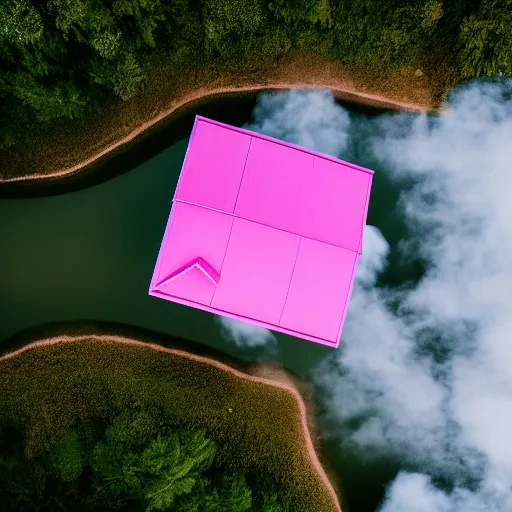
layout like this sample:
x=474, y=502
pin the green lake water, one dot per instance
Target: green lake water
x=87, y=249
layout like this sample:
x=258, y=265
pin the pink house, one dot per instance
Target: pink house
x=264, y=231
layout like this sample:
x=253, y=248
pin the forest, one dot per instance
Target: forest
x=62, y=59
x=134, y=463
x=90, y=425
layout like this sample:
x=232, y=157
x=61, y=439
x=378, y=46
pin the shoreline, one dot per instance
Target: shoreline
x=270, y=376
x=348, y=93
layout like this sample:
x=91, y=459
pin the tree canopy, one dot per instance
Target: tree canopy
x=486, y=40
x=60, y=58
x=136, y=463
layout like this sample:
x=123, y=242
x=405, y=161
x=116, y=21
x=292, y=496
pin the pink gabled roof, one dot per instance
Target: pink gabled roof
x=213, y=166
x=276, y=183
x=264, y=231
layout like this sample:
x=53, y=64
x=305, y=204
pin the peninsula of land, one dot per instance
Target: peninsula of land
x=67, y=377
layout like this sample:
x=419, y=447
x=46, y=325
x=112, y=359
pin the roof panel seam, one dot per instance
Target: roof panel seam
x=243, y=172
x=235, y=216
x=291, y=279
x=223, y=259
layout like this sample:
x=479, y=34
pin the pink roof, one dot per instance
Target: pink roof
x=264, y=231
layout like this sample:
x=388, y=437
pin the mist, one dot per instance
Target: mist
x=244, y=334
x=429, y=381
x=308, y=118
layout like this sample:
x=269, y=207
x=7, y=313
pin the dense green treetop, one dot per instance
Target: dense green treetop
x=486, y=40
x=59, y=58
x=136, y=462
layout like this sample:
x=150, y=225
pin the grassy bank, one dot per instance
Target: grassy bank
x=69, y=146
x=77, y=77
x=46, y=390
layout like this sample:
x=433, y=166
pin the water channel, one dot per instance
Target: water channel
x=84, y=249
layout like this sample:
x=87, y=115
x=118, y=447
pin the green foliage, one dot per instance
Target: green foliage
x=59, y=56
x=16, y=488
x=272, y=503
x=14, y=121
x=395, y=33
x=406, y=30
x=302, y=12
x=173, y=465
x=3, y=87
x=73, y=452
x=138, y=459
x=124, y=77
x=230, y=493
x=156, y=470
x=44, y=58
x=21, y=23
x=20, y=480
x=160, y=394
x=107, y=42
x=70, y=14
x=115, y=457
x=74, y=44
x=432, y=13
x=70, y=461
x=234, y=495
x=276, y=43
x=147, y=15
x=228, y=22
x=63, y=99
x=486, y=40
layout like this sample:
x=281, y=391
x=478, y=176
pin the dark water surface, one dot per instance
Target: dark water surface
x=87, y=251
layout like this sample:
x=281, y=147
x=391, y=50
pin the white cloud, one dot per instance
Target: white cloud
x=468, y=291
x=384, y=384
x=448, y=415
x=378, y=380
x=244, y=334
x=413, y=492
x=453, y=416
x=373, y=258
x=310, y=118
